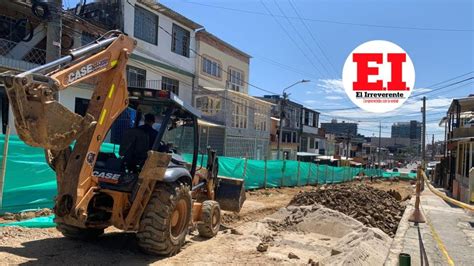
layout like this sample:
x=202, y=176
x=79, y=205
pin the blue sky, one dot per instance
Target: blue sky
x=438, y=36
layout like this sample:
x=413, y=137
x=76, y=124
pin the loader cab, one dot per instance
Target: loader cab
x=177, y=134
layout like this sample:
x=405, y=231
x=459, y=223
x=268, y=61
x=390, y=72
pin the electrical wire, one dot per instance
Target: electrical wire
x=443, y=87
x=338, y=22
x=303, y=39
x=291, y=38
x=312, y=36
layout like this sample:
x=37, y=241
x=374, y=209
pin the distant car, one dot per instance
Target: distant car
x=395, y=170
x=413, y=171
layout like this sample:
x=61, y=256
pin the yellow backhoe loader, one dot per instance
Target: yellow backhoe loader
x=148, y=188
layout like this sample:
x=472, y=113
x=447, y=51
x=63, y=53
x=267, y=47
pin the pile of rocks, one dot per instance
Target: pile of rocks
x=26, y=214
x=373, y=207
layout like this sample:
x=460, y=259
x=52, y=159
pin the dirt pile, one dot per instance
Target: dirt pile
x=373, y=207
x=299, y=234
x=25, y=215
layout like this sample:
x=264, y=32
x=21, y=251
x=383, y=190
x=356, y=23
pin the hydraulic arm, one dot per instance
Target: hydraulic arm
x=42, y=121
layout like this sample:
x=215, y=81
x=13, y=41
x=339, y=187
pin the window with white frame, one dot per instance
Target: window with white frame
x=169, y=84
x=240, y=113
x=180, y=41
x=136, y=77
x=260, y=118
x=208, y=105
x=236, y=79
x=145, y=25
x=211, y=67
x=310, y=119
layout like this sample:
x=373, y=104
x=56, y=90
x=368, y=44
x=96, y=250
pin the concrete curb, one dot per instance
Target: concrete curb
x=396, y=247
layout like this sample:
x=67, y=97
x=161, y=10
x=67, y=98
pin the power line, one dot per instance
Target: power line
x=312, y=36
x=283, y=66
x=444, y=81
x=453, y=89
x=302, y=38
x=291, y=38
x=338, y=22
x=443, y=87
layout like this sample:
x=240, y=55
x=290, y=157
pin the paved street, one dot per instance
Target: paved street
x=447, y=237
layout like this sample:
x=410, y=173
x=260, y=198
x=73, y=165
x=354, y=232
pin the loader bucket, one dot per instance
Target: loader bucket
x=230, y=193
x=40, y=120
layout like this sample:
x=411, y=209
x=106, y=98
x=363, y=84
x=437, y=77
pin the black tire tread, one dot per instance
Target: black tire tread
x=205, y=228
x=153, y=234
x=79, y=233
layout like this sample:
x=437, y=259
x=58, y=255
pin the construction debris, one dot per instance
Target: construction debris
x=292, y=255
x=7, y=216
x=262, y=247
x=373, y=207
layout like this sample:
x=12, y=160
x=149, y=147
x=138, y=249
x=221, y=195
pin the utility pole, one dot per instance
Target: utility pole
x=53, y=34
x=433, y=150
x=282, y=116
x=423, y=137
x=348, y=145
x=380, y=142
x=282, y=113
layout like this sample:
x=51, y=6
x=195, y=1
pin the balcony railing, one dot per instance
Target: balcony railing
x=310, y=130
x=462, y=132
x=35, y=55
x=145, y=84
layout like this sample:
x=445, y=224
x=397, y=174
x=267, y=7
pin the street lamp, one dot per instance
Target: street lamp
x=282, y=112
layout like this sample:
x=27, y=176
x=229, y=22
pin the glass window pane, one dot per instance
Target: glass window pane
x=180, y=41
x=145, y=25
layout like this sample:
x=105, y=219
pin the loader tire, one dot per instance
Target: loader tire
x=78, y=232
x=210, y=219
x=165, y=221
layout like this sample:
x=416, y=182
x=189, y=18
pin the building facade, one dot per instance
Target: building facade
x=291, y=127
x=459, y=135
x=240, y=123
x=340, y=129
x=410, y=130
x=164, y=57
x=310, y=136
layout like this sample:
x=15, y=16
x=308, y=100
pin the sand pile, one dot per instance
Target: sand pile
x=371, y=206
x=318, y=235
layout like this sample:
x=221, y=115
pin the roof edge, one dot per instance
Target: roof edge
x=228, y=45
x=160, y=8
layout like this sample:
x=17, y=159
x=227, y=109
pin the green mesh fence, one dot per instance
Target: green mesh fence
x=31, y=184
x=29, y=181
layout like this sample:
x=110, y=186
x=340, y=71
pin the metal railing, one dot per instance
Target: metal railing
x=35, y=55
x=145, y=84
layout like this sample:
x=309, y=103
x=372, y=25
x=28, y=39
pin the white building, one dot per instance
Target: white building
x=241, y=122
x=164, y=57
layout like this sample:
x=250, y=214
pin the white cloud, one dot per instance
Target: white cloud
x=310, y=102
x=331, y=86
x=421, y=90
x=333, y=97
